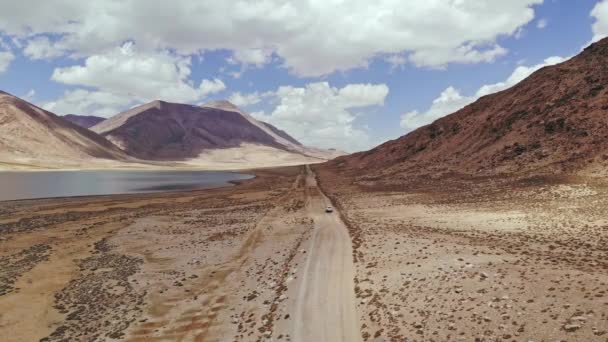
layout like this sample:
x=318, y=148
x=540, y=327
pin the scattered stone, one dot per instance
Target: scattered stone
x=571, y=327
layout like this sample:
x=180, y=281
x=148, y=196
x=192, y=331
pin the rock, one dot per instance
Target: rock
x=571, y=327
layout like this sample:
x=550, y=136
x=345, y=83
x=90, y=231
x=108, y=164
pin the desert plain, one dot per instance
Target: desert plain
x=447, y=259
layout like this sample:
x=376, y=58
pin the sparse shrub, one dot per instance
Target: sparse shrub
x=434, y=131
x=596, y=90
x=555, y=125
x=519, y=149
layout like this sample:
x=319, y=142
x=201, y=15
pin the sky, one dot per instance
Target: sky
x=332, y=73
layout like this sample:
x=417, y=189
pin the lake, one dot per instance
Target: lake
x=31, y=185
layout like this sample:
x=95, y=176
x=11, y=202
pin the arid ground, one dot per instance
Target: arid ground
x=493, y=259
x=254, y=262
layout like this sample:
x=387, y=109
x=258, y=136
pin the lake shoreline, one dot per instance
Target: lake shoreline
x=27, y=185
x=131, y=254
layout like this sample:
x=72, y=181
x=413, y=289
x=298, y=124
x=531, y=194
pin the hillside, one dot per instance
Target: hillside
x=555, y=121
x=194, y=134
x=85, y=121
x=33, y=137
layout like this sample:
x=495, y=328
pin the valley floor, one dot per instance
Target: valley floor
x=258, y=261
x=495, y=259
x=484, y=260
x=246, y=156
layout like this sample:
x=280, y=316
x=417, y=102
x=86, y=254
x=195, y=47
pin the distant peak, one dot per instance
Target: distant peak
x=222, y=104
x=10, y=97
x=153, y=104
x=157, y=103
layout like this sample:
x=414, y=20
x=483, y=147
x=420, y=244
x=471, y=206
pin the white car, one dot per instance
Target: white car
x=329, y=209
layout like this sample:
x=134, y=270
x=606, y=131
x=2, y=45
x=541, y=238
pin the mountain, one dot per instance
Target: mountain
x=284, y=139
x=171, y=131
x=85, y=121
x=31, y=136
x=556, y=120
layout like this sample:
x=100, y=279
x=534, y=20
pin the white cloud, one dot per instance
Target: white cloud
x=542, y=23
x=450, y=100
x=6, y=57
x=125, y=76
x=323, y=116
x=311, y=37
x=143, y=75
x=396, y=61
x=518, y=75
x=85, y=102
x=243, y=100
x=600, y=26
x=256, y=57
x=214, y=86
x=29, y=96
x=41, y=47
x=467, y=53
x=362, y=95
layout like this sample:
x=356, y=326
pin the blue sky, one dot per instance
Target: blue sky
x=332, y=73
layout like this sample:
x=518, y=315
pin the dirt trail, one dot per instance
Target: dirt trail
x=325, y=308
x=257, y=262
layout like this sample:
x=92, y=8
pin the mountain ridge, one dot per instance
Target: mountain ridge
x=86, y=121
x=32, y=135
x=161, y=130
x=553, y=121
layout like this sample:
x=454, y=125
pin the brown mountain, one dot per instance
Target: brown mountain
x=556, y=120
x=281, y=133
x=172, y=131
x=31, y=136
x=284, y=139
x=85, y=121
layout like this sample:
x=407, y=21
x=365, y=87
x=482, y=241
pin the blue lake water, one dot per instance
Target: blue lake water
x=30, y=185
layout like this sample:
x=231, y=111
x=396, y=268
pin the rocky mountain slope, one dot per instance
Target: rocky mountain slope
x=556, y=120
x=280, y=136
x=172, y=131
x=31, y=136
x=85, y=121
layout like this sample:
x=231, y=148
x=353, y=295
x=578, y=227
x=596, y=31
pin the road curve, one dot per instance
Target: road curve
x=325, y=308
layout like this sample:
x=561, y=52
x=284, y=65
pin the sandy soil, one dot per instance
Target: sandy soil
x=325, y=305
x=483, y=260
x=493, y=259
x=247, y=263
x=247, y=156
